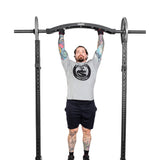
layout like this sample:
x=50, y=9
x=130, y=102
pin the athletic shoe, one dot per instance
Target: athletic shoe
x=85, y=157
x=70, y=157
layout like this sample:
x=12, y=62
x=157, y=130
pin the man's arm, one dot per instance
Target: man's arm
x=61, y=47
x=98, y=53
x=100, y=46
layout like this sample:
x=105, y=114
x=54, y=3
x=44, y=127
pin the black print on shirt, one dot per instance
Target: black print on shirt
x=82, y=72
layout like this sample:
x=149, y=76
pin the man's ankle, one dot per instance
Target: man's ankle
x=71, y=153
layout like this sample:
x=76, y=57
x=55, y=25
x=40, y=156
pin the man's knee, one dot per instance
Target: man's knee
x=86, y=131
x=73, y=132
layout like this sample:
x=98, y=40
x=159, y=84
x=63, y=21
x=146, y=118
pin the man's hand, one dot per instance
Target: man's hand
x=61, y=31
x=100, y=31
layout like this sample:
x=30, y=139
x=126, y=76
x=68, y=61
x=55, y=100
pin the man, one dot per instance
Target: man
x=80, y=106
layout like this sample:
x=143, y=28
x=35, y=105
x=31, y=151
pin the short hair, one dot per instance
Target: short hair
x=82, y=47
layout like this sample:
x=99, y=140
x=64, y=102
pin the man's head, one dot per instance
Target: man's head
x=80, y=54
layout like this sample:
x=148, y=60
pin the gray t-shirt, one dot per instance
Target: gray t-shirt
x=81, y=77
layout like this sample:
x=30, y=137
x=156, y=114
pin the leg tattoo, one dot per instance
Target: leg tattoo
x=86, y=139
x=72, y=140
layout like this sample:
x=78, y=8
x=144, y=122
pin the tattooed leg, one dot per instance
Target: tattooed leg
x=72, y=139
x=86, y=138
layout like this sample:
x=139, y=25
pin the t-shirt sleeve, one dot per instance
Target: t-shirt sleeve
x=96, y=61
x=65, y=63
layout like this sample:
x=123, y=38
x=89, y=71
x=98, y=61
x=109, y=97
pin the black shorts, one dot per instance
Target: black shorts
x=80, y=112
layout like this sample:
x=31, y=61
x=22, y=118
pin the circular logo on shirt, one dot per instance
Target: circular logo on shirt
x=82, y=72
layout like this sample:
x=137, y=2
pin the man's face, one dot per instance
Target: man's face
x=81, y=55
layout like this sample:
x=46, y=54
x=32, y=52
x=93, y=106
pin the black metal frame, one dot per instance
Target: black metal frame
x=37, y=84
x=80, y=25
x=124, y=38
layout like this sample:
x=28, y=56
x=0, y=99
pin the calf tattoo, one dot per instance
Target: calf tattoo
x=72, y=141
x=86, y=141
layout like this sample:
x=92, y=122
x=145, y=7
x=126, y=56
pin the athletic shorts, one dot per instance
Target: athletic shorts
x=80, y=112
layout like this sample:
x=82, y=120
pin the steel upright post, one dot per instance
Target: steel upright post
x=37, y=84
x=124, y=39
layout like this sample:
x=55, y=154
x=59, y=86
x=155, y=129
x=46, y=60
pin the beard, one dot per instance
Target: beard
x=80, y=59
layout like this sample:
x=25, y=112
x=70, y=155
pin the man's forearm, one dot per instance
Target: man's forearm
x=100, y=46
x=61, y=47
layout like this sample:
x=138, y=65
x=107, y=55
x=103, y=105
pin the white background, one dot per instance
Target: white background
x=17, y=82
